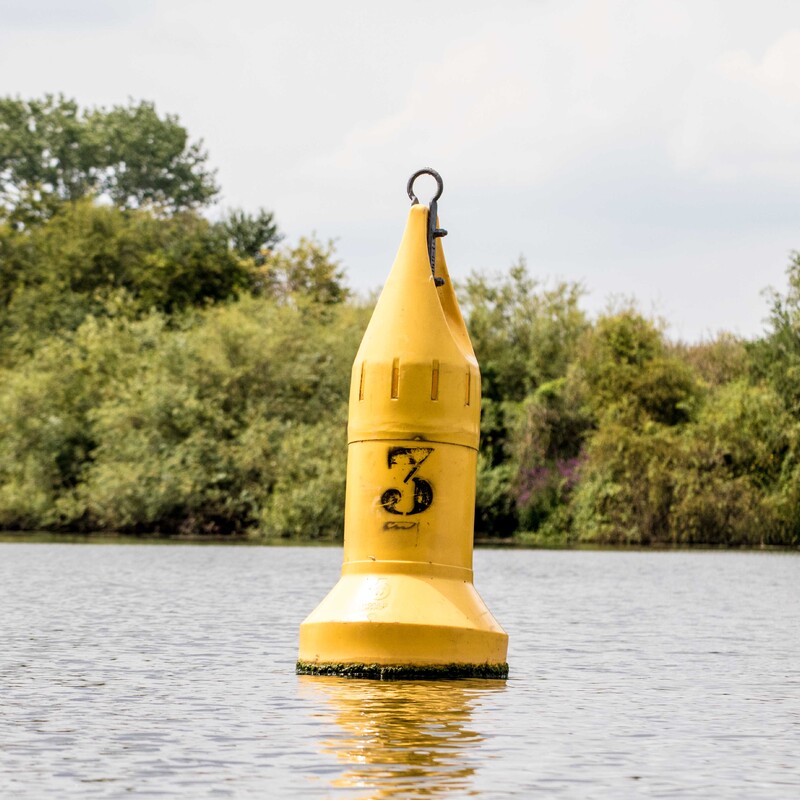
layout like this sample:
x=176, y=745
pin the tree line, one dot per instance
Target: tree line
x=164, y=373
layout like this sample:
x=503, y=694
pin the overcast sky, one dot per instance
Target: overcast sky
x=647, y=149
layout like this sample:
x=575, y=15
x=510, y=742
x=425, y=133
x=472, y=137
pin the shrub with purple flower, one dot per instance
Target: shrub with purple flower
x=542, y=488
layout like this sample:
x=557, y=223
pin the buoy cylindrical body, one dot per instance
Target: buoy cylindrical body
x=405, y=604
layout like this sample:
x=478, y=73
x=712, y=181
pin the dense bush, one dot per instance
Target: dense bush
x=232, y=421
x=525, y=335
x=230, y=418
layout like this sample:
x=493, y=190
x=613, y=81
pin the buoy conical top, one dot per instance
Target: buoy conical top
x=405, y=604
x=417, y=345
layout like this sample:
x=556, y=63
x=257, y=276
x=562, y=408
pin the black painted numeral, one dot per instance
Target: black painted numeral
x=413, y=491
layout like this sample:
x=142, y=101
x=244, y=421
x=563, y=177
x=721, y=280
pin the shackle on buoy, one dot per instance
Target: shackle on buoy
x=434, y=232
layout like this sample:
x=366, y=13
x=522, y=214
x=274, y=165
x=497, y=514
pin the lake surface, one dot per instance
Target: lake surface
x=168, y=671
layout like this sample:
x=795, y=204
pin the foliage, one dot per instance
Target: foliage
x=718, y=361
x=308, y=269
x=45, y=438
x=232, y=421
x=549, y=452
x=776, y=357
x=230, y=418
x=163, y=372
x=624, y=493
x=495, y=514
x=307, y=501
x=52, y=151
x=524, y=335
x=92, y=260
x=623, y=361
x=651, y=444
x=252, y=235
x=719, y=480
x=56, y=273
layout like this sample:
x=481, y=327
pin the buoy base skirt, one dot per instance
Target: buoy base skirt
x=392, y=625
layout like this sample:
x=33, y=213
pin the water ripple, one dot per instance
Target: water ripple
x=168, y=672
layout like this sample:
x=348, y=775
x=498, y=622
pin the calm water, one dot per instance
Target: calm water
x=167, y=671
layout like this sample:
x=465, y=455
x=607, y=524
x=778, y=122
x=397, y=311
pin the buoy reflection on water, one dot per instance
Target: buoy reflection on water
x=401, y=738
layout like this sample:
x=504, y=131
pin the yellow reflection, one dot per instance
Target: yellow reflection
x=401, y=738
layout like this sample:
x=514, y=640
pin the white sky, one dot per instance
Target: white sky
x=647, y=149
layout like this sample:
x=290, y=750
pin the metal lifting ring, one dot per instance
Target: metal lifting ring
x=425, y=171
x=434, y=233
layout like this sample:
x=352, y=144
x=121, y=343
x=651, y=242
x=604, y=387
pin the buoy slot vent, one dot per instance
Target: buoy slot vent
x=395, y=378
x=435, y=379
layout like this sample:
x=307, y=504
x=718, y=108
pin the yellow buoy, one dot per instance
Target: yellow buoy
x=405, y=605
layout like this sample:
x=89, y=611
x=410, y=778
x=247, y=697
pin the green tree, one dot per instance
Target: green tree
x=737, y=469
x=235, y=423
x=309, y=269
x=776, y=357
x=717, y=361
x=252, y=235
x=623, y=361
x=548, y=445
x=232, y=420
x=622, y=387
x=726, y=478
x=524, y=335
x=90, y=259
x=52, y=151
x=46, y=439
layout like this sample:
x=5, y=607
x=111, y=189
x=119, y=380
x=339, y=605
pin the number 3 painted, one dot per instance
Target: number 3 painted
x=421, y=495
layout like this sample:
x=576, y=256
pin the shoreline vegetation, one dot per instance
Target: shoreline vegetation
x=245, y=540
x=165, y=374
